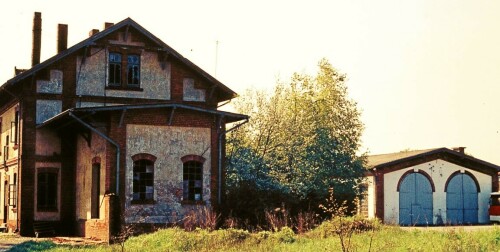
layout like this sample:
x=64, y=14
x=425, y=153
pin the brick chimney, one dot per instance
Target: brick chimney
x=93, y=32
x=62, y=37
x=107, y=25
x=37, y=39
x=459, y=149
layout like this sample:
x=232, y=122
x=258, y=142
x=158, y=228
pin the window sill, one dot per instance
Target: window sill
x=138, y=89
x=143, y=202
x=193, y=202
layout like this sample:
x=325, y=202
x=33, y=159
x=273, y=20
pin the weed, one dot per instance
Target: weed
x=278, y=218
x=201, y=217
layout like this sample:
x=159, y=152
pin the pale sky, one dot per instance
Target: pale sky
x=425, y=73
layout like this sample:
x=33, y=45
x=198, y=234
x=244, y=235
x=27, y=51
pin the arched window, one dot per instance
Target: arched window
x=193, y=177
x=143, y=178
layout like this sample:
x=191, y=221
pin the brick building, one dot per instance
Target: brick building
x=117, y=128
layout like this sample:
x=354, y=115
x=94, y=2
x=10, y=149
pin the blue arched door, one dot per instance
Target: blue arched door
x=461, y=200
x=415, y=200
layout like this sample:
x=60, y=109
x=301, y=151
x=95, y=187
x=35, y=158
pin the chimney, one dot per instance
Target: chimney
x=93, y=32
x=107, y=25
x=37, y=39
x=459, y=149
x=62, y=37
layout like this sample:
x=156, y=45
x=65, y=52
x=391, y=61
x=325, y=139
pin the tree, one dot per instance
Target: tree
x=301, y=140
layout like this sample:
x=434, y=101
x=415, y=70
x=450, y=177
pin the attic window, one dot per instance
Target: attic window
x=115, y=69
x=133, y=72
x=124, y=70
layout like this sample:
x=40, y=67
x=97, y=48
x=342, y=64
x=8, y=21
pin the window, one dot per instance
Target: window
x=13, y=192
x=47, y=191
x=115, y=69
x=143, y=182
x=192, y=180
x=95, y=191
x=133, y=70
x=15, y=129
x=124, y=69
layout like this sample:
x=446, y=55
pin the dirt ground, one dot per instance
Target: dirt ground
x=9, y=240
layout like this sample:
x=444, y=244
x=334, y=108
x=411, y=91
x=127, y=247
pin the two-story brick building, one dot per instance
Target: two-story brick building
x=119, y=128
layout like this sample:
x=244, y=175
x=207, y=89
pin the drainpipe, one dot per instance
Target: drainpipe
x=88, y=126
x=219, y=200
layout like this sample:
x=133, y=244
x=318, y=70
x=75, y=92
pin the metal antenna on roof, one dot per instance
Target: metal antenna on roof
x=216, y=56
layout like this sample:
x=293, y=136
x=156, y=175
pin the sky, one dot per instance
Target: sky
x=424, y=73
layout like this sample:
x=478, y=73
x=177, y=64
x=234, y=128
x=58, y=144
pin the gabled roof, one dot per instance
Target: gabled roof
x=92, y=41
x=399, y=160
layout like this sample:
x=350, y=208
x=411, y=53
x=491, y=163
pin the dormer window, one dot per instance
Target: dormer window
x=124, y=70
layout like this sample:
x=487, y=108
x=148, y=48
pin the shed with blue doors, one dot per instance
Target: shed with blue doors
x=430, y=187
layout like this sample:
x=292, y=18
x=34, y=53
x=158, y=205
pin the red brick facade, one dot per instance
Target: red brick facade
x=112, y=124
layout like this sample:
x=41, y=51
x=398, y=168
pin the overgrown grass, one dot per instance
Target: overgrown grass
x=323, y=238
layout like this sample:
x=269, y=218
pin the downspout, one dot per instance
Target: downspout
x=88, y=126
x=219, y=196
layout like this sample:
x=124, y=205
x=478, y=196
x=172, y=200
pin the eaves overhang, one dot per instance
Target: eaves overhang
x=229, y=117
x=440, y=153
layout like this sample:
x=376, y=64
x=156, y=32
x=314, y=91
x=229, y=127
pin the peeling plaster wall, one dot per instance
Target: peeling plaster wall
x=92, y=77
x=84, y=157
x=168, y=144
x=46, y=109
x=190, y=92
x=52, y=86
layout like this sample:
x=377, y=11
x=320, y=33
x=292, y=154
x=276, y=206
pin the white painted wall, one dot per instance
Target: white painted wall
x=370, y=181
x=440, y=171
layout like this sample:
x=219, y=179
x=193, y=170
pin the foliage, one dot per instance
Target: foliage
x=301, y=140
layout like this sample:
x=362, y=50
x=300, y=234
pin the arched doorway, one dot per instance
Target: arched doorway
x=415, y=200
x=461, y=199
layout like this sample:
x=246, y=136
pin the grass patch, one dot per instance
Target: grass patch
x=323, y=238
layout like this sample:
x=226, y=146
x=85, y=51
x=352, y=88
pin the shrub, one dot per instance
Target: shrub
x=285, y=235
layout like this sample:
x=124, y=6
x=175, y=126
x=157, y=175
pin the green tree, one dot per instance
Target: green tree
x=302, y=139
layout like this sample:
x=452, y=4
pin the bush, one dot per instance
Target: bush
x=337, y=225
x=285, y=235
